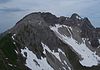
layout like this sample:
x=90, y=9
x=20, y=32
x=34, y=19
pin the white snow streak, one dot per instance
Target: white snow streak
x=31, y=64
x=67, y=65
x=89, y=58
x=54, y=53
x=10, y=64
x=16, y=51
x=13, y=36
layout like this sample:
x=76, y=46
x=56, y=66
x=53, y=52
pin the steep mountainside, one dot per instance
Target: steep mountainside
x=42, y=41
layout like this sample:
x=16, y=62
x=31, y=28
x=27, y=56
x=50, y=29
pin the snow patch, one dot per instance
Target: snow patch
x=16, y=51
x=56, y=54
x=43, y=65
x=13, y=36
x=59, y=50
x=66, y=18
x=10, y=64
x=78, y=17
x=40, y=23
x=99, y=43
x=67, y=65
x=89, y=42
x=14, y=43
x=6, y=58
x=89, y=58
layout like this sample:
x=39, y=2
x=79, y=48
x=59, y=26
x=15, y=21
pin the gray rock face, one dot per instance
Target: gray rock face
x=34, y=29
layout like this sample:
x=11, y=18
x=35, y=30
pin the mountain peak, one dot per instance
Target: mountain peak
x=42, y=41
x=75, y=16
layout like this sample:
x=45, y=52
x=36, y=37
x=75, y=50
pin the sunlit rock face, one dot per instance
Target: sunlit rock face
x=42, y=41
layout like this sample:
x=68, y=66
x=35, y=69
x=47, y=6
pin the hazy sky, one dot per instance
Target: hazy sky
x=13, y=10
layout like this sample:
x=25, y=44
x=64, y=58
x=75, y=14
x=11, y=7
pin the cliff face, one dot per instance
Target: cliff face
x=42, y=41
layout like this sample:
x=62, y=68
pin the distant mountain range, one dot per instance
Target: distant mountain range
x=42, y=41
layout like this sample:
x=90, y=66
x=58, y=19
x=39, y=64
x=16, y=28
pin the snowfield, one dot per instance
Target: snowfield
x=89, y=58
x=56, y=54
x=40, y=64
x=37, y=64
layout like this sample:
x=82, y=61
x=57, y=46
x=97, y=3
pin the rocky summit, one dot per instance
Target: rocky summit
x=43, y=41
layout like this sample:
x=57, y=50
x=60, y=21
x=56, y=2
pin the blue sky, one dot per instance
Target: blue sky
x=13, y=10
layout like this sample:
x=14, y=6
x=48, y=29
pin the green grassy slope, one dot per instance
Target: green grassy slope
x=8, y=55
